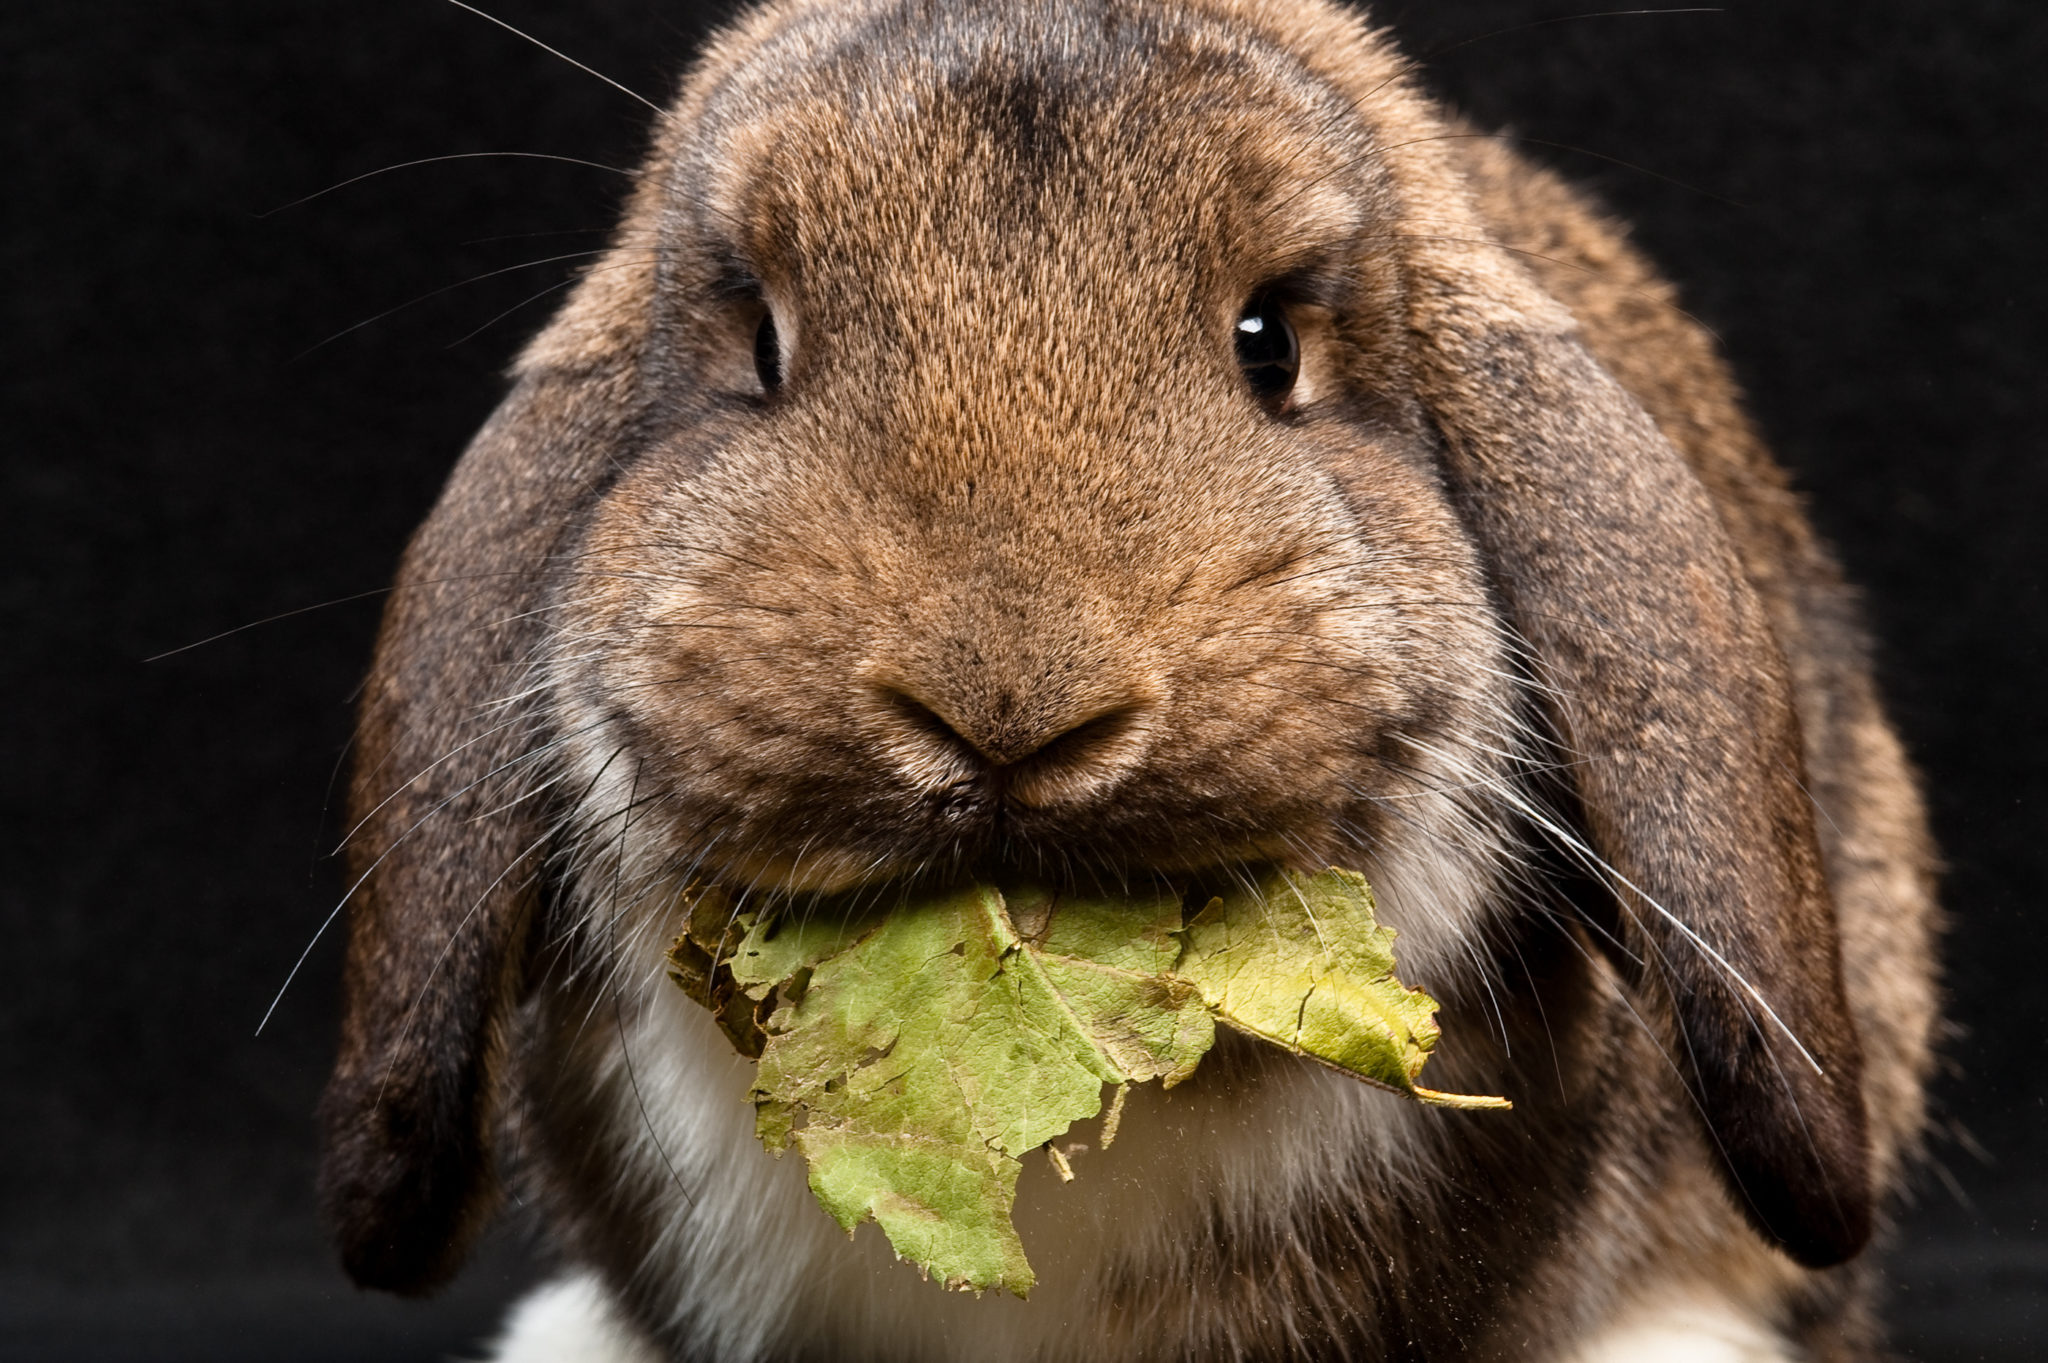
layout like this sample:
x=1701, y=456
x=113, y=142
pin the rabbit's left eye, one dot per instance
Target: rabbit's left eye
x=1267, y=350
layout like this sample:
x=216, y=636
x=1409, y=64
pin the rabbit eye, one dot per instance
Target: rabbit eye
x=1267, y=350
x=768, y=354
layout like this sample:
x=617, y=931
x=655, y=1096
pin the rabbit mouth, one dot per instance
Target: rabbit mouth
x=1108, y=797
x=1043, y=880
x=985, y=838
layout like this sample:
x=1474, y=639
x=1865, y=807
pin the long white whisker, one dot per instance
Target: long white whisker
x=555, y=52
x=1607, y=872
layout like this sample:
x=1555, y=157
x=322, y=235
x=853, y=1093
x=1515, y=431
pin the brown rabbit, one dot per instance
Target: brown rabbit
x=1126, y=439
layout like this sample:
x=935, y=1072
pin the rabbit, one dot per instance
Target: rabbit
x=1137, y=441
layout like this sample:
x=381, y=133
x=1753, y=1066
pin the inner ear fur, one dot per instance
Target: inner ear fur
x=1670, y=699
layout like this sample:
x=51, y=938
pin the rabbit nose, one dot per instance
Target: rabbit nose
x=1035, y=756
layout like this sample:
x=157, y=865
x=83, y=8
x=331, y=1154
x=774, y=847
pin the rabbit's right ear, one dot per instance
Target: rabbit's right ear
x=445, y=855
x=445, y=851
x=442, y=894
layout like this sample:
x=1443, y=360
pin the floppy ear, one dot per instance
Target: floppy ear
x=446, y=856
x=1672, y=702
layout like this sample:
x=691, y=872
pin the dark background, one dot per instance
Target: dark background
x=205, y=428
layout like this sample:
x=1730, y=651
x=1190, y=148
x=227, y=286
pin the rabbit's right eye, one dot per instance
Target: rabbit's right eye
x=768, y=354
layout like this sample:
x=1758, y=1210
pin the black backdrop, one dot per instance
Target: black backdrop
x=205, y=427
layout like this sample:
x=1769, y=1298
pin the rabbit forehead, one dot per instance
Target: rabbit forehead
x=955, y=158
x=1012, y=239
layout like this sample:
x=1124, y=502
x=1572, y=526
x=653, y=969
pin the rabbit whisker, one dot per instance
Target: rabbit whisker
x=659, y=111
x=452, y=156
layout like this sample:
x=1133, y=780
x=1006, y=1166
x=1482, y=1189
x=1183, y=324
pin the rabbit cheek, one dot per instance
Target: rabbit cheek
x=690, y=692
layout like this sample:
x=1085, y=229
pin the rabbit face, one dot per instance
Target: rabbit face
x=1007, y=556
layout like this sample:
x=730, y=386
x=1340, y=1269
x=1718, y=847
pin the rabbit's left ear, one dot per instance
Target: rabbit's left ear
x=1672, y=701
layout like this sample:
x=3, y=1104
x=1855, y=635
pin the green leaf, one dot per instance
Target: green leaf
x=913, y=1057
x=1303, y=964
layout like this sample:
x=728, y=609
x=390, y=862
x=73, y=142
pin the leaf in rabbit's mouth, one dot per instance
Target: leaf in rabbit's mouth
x=914, y=1056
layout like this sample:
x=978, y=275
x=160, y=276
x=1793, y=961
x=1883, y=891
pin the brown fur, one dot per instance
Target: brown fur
x=1014, y=569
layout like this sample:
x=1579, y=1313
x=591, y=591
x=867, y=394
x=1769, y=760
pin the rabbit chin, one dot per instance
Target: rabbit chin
x=744, y=1264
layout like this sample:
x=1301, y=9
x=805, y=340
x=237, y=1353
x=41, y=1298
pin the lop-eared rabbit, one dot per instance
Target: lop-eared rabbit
x=1137, y=440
